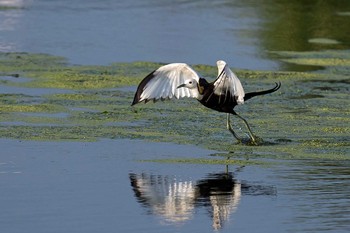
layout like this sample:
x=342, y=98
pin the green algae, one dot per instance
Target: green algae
x=325, y=58
x=54, y=72
x=323, y=41
x=319, y=61
x=31, y=108
x=344, y=13
x=7, y=8
x=207, y=161
x=306, y=118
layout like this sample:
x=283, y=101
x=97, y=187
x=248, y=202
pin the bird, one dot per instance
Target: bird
x=179, y=80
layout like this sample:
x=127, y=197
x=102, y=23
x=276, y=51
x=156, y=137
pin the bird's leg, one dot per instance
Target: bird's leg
x=252, y=137
x=229, y=127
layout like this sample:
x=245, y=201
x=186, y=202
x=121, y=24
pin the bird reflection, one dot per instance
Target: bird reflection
x=222, y=193
x=175, y=200
x=165, y=195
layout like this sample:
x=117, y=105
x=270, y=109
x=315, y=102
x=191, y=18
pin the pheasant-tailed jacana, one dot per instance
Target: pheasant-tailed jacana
x=180, y=80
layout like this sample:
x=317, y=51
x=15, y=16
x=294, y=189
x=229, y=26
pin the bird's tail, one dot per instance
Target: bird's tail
x=252, y=94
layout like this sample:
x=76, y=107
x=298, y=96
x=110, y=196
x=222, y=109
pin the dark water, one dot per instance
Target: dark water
x=240, y=32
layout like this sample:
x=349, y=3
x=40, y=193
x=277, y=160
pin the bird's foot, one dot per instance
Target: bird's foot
x=255, y=141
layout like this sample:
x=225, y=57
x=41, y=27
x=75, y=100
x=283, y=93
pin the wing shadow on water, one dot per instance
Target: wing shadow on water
x=175, y=200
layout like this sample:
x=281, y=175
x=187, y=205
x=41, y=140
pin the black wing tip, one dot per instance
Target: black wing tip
x=136, y=98
x=141, y=87
x=138, y=102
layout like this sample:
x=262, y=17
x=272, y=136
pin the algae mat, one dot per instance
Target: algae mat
x=43, y=97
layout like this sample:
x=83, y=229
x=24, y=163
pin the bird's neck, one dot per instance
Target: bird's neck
x=200, y=89
x=202, y=85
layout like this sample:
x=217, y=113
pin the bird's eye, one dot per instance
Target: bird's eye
x=190, y=82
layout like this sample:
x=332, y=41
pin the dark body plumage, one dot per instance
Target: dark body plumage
x=225, y=102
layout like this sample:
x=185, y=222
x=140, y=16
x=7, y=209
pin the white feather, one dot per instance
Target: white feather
x=165, y=81
x=227, y=81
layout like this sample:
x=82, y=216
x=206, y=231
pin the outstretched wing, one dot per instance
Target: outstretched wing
x=228, y=83
x=163, y=82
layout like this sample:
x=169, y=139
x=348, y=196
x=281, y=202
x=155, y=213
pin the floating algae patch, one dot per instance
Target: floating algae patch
x=319, y=61
x=239, y=162
x=54, y=72
x=306, y=118
x=325, y=58
x=73, y=79
x=344, y=13
x=323, y=41
x=31, y=108
x=20, y=63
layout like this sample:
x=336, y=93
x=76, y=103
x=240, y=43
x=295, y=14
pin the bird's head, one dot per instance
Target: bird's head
x=190, y=84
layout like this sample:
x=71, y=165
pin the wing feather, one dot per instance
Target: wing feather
x=228, y=82
x=163, y=82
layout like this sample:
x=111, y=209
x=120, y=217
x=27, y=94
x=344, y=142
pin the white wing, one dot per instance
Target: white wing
x=163, y=82
x=227, y=81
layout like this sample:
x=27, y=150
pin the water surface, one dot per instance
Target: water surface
x=196, y=32
x=103, y=187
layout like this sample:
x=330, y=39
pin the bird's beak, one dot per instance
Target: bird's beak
x=182, y=85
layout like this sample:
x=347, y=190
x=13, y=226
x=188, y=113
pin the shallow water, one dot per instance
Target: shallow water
x=200, y=32
x=103, y=186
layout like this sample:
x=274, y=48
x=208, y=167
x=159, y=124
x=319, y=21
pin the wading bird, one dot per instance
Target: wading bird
x=178, y=80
